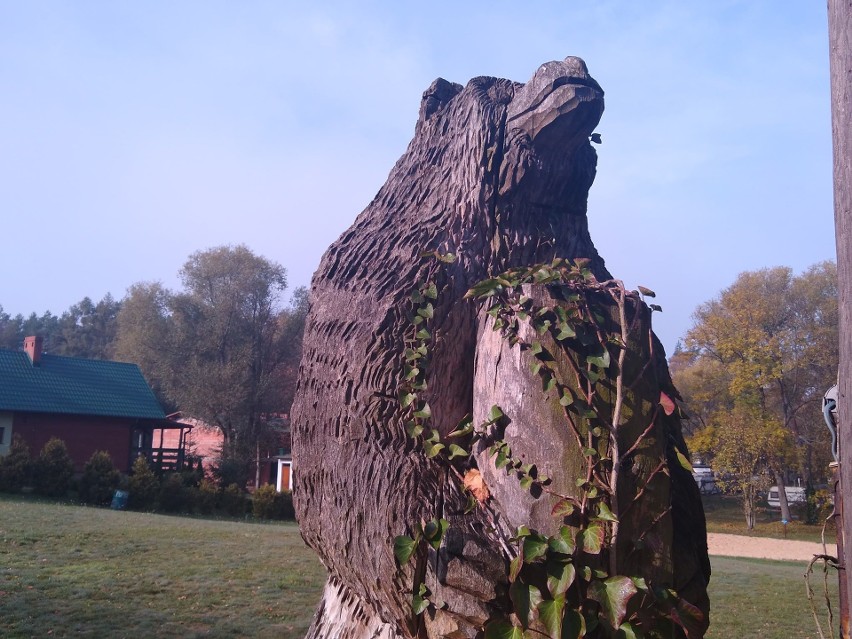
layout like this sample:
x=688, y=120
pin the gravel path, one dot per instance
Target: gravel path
x=765, y=548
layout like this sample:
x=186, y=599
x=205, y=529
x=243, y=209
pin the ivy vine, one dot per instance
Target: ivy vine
x=566, y=585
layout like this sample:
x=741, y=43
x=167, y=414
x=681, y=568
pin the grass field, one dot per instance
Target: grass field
x=71, y=571
x=761, y=599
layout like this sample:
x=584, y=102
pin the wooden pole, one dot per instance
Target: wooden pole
x=840, y=58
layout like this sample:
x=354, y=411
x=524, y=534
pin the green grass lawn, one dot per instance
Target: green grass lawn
x=72, y=571
x=760, y=599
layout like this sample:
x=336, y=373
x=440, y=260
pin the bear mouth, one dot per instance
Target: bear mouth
x=561, y=100
x=560, y=90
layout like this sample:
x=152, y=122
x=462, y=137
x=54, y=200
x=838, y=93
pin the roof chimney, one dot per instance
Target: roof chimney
x=32, y=346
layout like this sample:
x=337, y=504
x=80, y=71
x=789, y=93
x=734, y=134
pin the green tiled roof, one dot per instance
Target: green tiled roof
x=75, y=386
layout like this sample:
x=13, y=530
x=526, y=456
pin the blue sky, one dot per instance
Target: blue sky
x=133, y=134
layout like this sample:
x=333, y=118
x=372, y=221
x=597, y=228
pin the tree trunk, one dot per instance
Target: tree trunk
x=497, y=174
x=840, y=58
x=748, y=507
x=782, y=495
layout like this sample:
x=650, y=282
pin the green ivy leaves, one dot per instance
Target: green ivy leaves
x=559, y=585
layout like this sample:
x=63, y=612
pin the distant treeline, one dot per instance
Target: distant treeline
x=87, y=329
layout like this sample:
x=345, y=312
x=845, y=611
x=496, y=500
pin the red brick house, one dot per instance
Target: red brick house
x=89, y=404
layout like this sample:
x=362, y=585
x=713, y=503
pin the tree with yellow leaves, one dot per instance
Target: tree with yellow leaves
x=756, y=364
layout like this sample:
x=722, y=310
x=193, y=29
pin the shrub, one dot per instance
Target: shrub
x=268, y=503
x=100, y=479
x=205, y=497
x=175, y=497
x=144, y=485
x=230, y=468
x=16, y=468
x=263, y=502
x=234, y=501
x=192, y=473
x=53, y=469
x=284, y=506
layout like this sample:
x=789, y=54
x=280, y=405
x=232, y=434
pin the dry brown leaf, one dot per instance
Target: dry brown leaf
x=667, y=403
x=476, y=485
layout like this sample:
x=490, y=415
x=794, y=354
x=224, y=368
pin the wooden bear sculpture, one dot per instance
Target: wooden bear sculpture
x=497, y=174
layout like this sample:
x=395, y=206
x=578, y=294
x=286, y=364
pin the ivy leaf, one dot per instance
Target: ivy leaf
x=560, y=576
x=485, y=288
x=566, y=534
x=432, y=449
x=427, y=311
x=535, y=546
x=550, y=615
x=502, y=629
x=502, y=460
x=601, y=360
x=640, y=583
x=515, y=567
x=563, y=508
x=417, y=297
x=591, y=539
x=525, y=599
x=613, y=594
x=434, y=532
x=424, y=412
x=431, y=291
x=474, y=483
x=411, y=372
x=464, y=427
x=494, y=414
x=565, y=332
x=626, y=631
x=573, y=625
x=647, y=292
x=457, y=451
x=526, y=482
x=446, y=258
x=423, y=334
x=683, y=461
x=413, y=428
x=406, y=398
x=420, y=600
x=667, y=403
x=688, y=617
x=403, y=548
x=605, y=514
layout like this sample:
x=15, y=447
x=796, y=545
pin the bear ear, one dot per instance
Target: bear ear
x=439, y=93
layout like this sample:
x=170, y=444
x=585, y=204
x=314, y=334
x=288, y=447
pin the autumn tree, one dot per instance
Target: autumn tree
x=217, y=348
x=756, y=363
